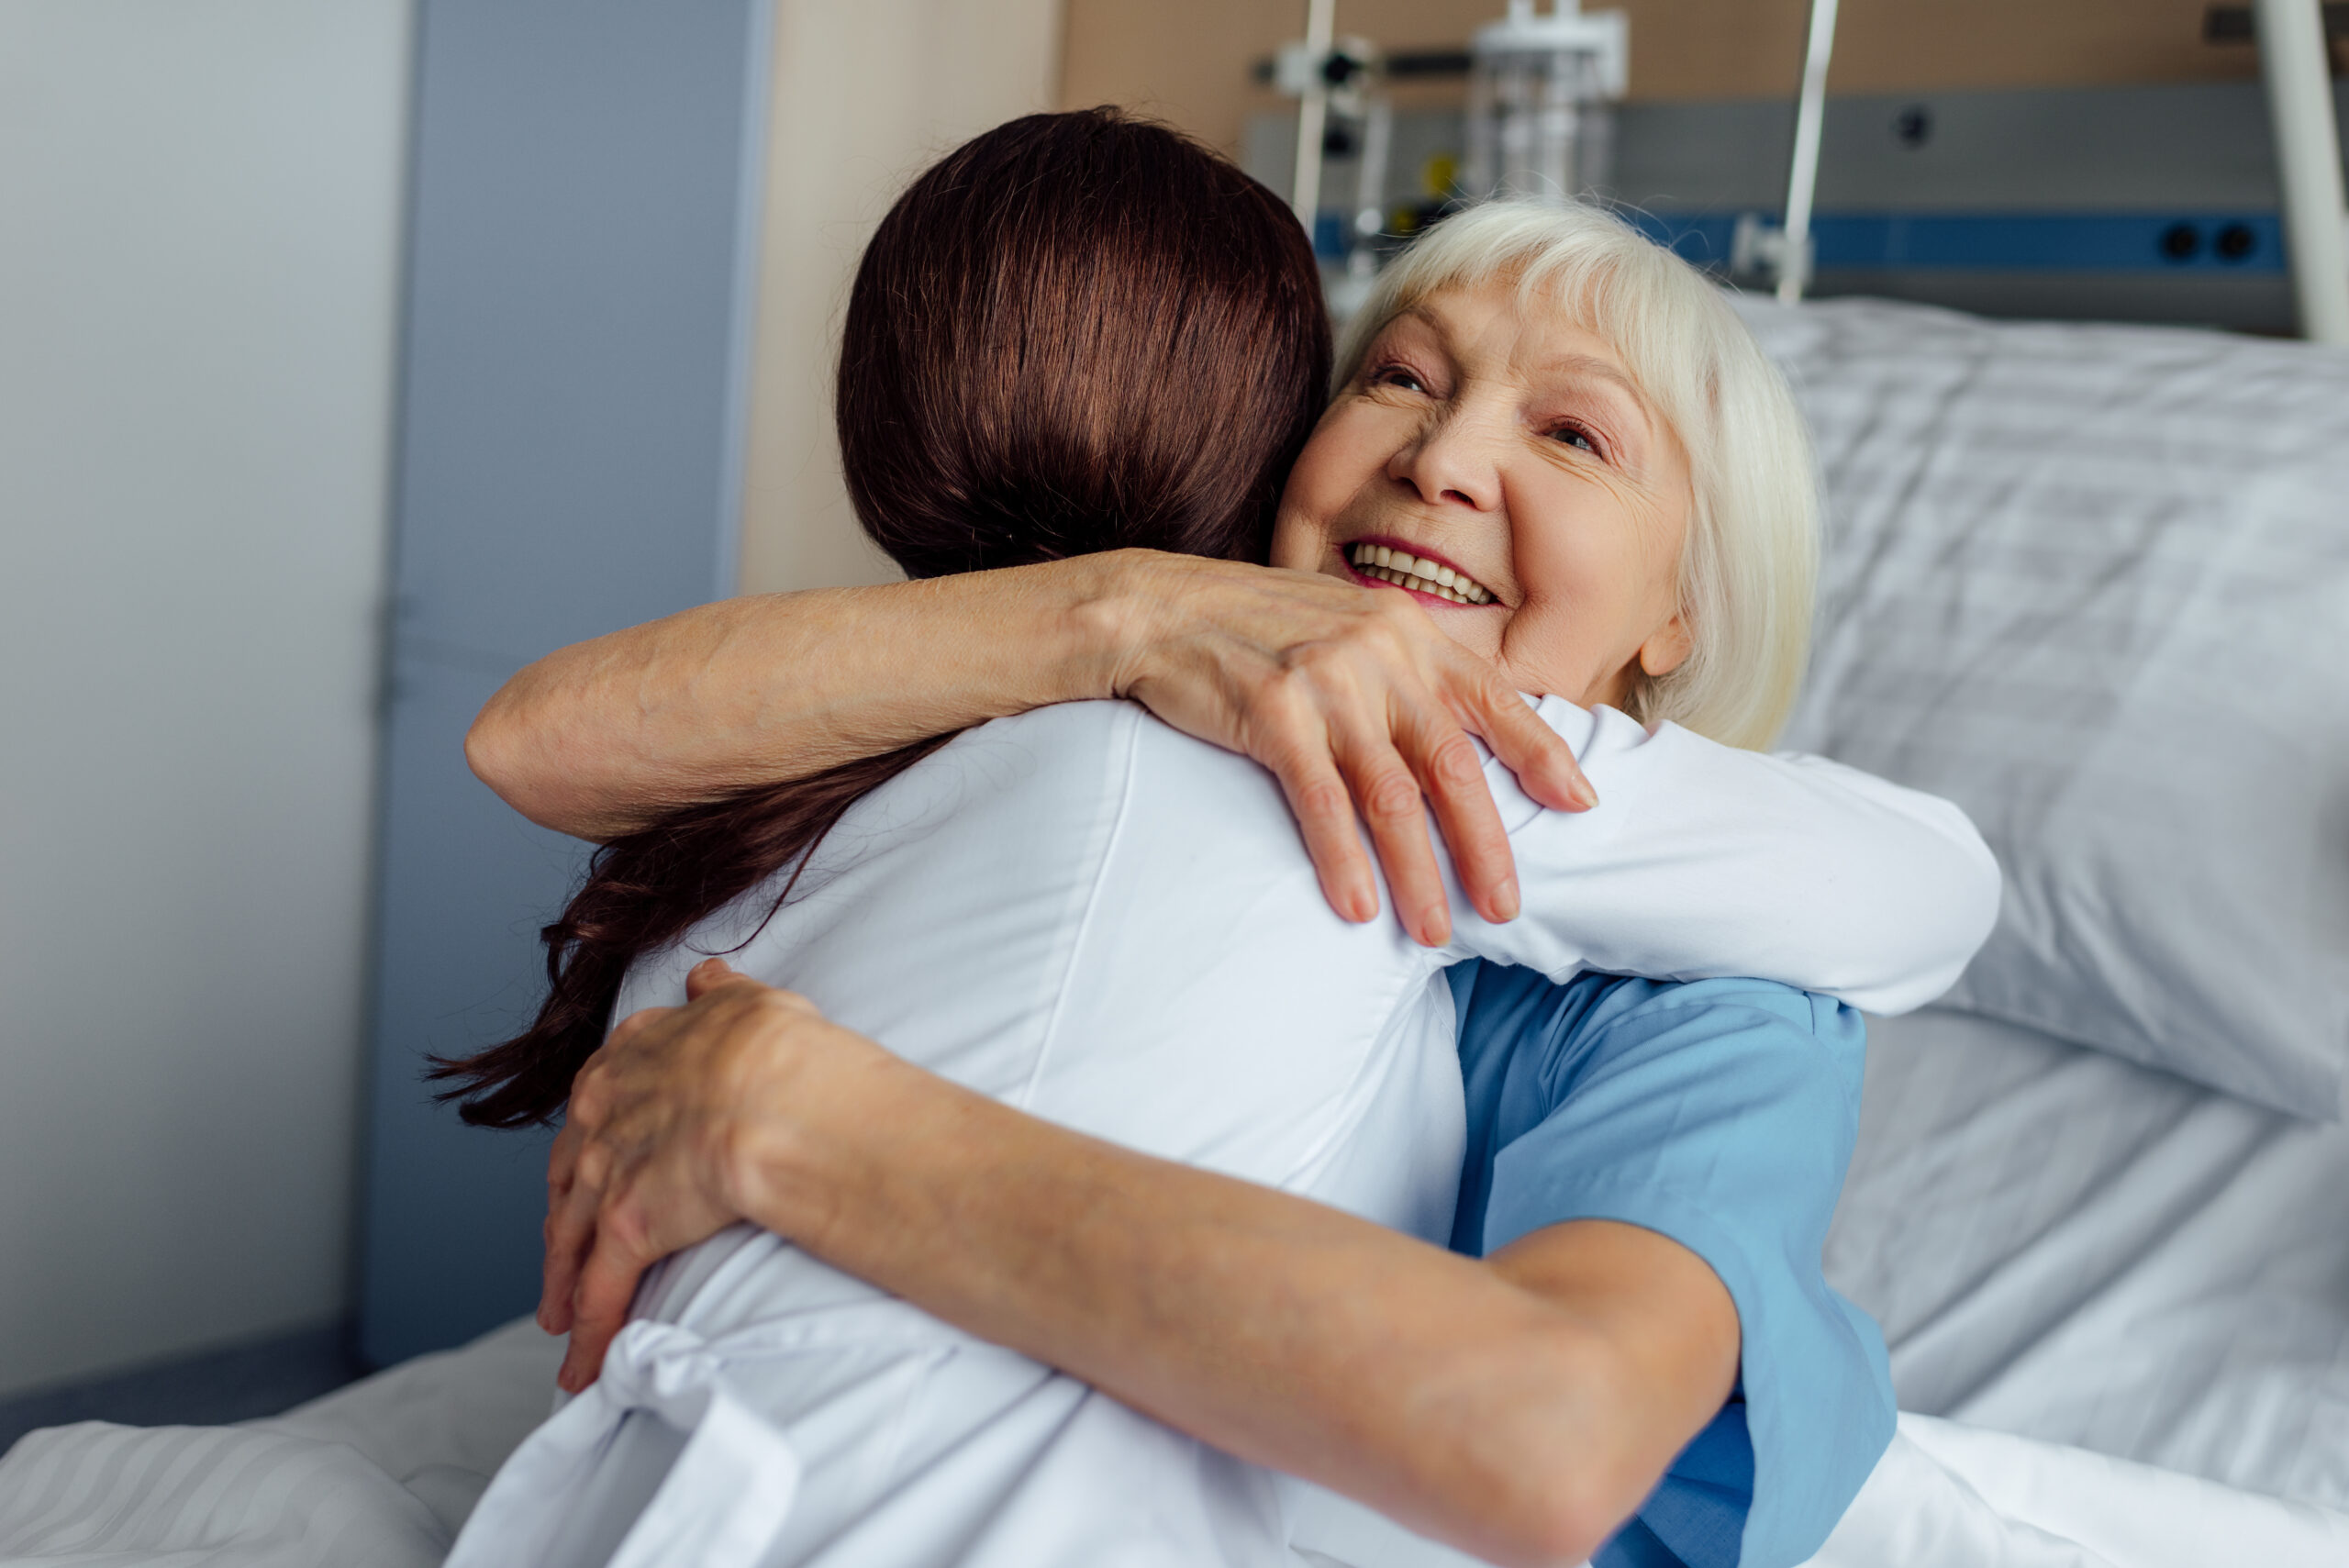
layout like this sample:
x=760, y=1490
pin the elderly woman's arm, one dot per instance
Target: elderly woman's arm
x=1520, y=1406
x=1352, y=698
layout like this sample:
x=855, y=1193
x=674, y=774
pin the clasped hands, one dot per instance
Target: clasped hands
x=683, y=1122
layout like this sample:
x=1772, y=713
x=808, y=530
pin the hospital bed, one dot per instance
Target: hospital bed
x=2092, y=583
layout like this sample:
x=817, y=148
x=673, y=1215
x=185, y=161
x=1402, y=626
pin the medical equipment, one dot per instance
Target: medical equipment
x=1343, y=112
x=1540, y=87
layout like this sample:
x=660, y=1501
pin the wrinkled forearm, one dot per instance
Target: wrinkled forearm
x=1519, y=1407
x=601, y=738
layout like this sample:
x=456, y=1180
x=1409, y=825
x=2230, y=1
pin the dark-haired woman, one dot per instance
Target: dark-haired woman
x=1083, y=913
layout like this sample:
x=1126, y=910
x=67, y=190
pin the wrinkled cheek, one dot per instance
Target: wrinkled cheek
x=1543, y=645
x=1300, y=531
x=1297, y=542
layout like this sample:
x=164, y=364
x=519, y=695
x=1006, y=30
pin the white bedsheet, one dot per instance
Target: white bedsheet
x=379, y=1474
x=2062, y=1245
x=1950, y=1496
x=2118, y=1305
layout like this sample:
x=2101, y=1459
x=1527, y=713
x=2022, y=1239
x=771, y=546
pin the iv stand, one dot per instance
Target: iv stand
x=1802, y=175
x=2292, y=57
x=1313, y=112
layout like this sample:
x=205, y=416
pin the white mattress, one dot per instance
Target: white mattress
x=2062, y=1245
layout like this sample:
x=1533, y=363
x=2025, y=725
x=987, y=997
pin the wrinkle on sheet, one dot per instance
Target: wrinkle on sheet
x=2068, y=1247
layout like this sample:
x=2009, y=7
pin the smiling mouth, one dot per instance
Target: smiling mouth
x=1417, y=573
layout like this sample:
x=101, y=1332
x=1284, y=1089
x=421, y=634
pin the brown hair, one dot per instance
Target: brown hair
x=1077, y=332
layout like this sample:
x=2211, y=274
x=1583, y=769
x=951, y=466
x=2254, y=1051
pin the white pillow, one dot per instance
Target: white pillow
x=2092, y=584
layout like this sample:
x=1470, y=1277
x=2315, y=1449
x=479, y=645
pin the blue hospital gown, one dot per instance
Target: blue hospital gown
x=1721, y=1113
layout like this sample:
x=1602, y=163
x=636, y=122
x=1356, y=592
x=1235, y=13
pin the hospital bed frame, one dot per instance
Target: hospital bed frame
x=2294, y=63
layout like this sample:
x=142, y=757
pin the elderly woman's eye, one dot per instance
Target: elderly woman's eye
x=1575, y=436
x=1398, y=375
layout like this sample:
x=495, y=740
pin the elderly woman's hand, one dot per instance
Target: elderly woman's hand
x=1357, y=702
x=665, y=1141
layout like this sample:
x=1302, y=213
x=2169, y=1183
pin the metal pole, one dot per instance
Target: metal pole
x=2308, y=153
x=1313, y=112
x=1802, y=178
x=1370, y=187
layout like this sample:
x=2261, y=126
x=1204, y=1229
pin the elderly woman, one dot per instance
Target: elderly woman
x=1567, y=451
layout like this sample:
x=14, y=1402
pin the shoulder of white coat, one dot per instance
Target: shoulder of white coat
x=1066, y=740
x=1060, y=724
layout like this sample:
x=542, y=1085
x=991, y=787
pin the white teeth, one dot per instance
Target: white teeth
x=1417, y=574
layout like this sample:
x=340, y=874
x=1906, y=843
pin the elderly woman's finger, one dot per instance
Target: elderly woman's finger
x=563, y=1161
x=569, y=1234
x=1446, y=762
x=1388, y=795
x=709, y=974
x=1325, y=813
x=600, y=1303
x=1545, y=764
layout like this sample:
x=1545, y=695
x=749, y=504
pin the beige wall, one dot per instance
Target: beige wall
x=1189, y=63
x=865, y=93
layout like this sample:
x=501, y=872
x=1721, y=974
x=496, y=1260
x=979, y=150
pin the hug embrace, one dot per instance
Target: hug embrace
x=1014, y=1144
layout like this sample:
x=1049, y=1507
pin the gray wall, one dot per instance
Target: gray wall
x=585, y=220
x=199, y=238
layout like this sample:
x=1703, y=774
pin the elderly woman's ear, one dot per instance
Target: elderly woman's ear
x=1665, y=651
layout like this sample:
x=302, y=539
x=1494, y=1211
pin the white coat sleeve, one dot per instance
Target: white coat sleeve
x=1702, y=861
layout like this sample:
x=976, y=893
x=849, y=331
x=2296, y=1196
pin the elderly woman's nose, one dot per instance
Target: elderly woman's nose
x=1451, y=461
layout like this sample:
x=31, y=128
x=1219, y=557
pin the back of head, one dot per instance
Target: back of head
x=1078, y=332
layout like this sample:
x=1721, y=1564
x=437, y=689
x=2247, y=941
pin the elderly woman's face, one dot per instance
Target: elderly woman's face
x=1510, y=450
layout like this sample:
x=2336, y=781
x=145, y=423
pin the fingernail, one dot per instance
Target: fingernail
x=1582, y=795
x=1435, y=926
x=1504, y=905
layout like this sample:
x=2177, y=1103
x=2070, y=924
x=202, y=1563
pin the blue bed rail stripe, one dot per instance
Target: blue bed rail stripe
x=2020, y=242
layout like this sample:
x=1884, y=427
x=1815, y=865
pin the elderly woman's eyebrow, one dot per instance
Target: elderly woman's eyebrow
x=1592, y=367
x=1418, y=311
x=1604, y=370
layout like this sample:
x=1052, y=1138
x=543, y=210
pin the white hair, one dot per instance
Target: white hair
x=1750, y=563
